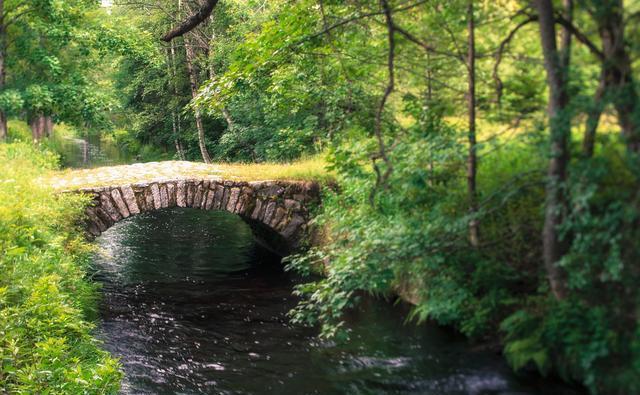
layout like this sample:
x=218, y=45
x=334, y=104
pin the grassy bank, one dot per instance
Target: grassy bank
x=46, y=304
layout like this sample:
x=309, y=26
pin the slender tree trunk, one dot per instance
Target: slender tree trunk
x=429, y=80
x=429, y=103
x=177, y=94
x=174, y=115
x=3, y=53
x=193, y=79
x=227, y=117
x=593, y=118
x=565, y=43
x=225, y=112
x=553, y=247
x=472, y=160
x=48, y=126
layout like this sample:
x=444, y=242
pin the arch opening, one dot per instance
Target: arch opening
x=276, y=211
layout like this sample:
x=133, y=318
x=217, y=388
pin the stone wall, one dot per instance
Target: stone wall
x=281, y=206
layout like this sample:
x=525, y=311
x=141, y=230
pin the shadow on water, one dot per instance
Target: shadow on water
x=193, y=305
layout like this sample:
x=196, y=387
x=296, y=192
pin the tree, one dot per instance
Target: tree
x=559, y=123
x=472, y=165
x=190, y=58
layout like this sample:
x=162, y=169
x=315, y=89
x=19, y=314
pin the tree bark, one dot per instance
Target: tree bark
x=33, y=125
x=618, y=72
x=193, y=79
x=565, y=43
x=175, y=116
x=553, y=247
x=593, y=119
x=191, y=22
x=48, y=126
x=37, y=124
x=472, y=159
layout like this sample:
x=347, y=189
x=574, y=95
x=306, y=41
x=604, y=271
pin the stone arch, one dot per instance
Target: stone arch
x=279, y=207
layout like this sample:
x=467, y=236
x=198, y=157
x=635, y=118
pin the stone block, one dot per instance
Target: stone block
x=130, y=199
x=155, y=193
x=119, y=202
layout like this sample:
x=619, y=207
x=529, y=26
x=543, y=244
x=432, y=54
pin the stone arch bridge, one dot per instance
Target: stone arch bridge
x=277, y=211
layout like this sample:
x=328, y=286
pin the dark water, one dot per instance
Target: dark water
x=91, y=151
x=192, y=305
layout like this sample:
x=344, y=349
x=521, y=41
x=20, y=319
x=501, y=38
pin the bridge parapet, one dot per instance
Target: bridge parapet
x=281, y=206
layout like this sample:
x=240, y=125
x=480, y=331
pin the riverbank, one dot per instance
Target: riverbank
x=47, y=305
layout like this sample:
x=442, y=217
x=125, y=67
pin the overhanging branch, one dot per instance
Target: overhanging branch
x=191, y=22
x=580, y=36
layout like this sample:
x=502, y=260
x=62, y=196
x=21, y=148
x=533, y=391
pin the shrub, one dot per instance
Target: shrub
x=46, y=304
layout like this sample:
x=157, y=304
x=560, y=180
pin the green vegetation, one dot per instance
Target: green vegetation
x=46, y=303
x=486, y=155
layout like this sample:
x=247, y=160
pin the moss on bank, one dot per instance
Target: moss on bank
x=46, y=303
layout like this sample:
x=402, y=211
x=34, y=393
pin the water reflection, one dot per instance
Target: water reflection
x=90, y=151
x=192, y=305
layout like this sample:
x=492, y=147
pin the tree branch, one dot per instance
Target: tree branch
x=191, y=22
x=500, y=52
x=422, y=44
x=579, y=36
x=381, y=178
x=355, y=18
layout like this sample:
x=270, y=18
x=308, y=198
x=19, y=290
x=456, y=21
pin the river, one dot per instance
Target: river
x=192, y=305
x=90, y=151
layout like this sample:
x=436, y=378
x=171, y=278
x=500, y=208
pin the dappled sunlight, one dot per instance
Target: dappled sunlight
x=71, y=179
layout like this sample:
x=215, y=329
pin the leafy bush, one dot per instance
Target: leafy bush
x=46, y=304
x=412, y=241
x=19, y=131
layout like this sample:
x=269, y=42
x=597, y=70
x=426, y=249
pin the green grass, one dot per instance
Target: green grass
x=46, y=304
x=310, y=169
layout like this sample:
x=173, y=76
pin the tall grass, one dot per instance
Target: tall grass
x=46, y=304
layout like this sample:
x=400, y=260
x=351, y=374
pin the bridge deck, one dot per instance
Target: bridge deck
x=312, y=170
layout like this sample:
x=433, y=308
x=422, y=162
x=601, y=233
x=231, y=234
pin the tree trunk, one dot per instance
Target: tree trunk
x=193, y=79
x=429, y=81
x=175, y=117
x=593, y=119
x=33, y=125
x=559, y=122
x=48, y=126
x=225, y=112
x=472, y=160
x=618, y=72
x=565, y=44
x=38, y=127
x=3, y=126
x=227, y=117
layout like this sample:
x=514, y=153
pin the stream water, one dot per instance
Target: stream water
x=90, y=151
x=192, y=305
